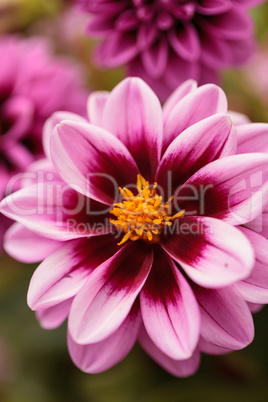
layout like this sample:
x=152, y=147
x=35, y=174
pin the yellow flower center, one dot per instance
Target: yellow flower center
x=142, y=216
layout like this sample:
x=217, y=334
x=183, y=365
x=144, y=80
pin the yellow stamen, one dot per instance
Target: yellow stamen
x=142, y=216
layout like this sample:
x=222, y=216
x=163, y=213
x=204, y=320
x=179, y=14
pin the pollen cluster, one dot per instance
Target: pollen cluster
x=142, y=216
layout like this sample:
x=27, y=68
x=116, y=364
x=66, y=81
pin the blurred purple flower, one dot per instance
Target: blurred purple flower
x=176, y=292
x=33, y=85
x=167, y=41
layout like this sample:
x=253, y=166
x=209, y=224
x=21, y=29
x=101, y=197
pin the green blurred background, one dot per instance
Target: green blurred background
x=35, y=365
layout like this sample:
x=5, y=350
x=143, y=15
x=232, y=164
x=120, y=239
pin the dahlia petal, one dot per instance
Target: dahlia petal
x=241, y=50
x=201, y=143
x=197, y=105
x=179, y=93
x=217, y=254
x=39, y=171
x=185, y=68
x=146, y=35
x=211, y=7
x=231, y=188
x=234, y=24
x=111, y=8
x=107, y=166
x=184, y=11
x=210, y=349
x=260, y=224
x=185, y=42
x=164, y=21
x=254, y=307
x=18, y=156
x=216, y=53
x=134, y=115
x=146, y=12
x=4, y=225
x=20, y=111
x=160, y=87
x=100, y=356
x=27, y=246
x=254, y=288
x=95, y=106
x=238, y=119
x=126, y=21
x=250, y=3
x=155, y=58
x=106, y=299
x=119, y=48
x=178, y=368
x=226, y=320
x=99, y=25
x=61, y=78
x=9, y=64
x=53, y=317
x=61, y=275
x=4, y=178
x=207, y=74
x=51, y=123
x=252, y=137
x=54, y=210
x=169, y=309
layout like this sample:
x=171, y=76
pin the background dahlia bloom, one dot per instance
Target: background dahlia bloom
x=117, y=276
x=167, y=41
x=33, y=85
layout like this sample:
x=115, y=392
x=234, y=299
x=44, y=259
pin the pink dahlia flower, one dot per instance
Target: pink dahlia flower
x=143, y=207
x=33, y=85
x=167, y=41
